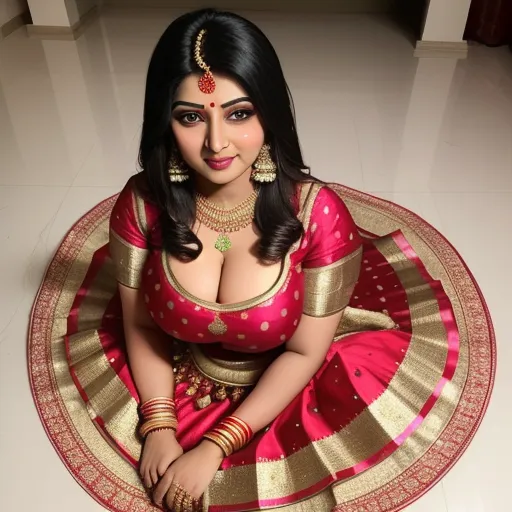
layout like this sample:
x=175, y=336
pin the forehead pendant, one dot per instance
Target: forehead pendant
x=206, y=82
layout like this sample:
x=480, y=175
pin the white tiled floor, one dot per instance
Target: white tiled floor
x=434, y=135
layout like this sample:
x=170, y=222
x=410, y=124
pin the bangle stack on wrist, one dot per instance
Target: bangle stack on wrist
x=230, y=435
x=158, y=414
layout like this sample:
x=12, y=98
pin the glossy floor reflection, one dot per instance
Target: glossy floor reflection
x=434, y=135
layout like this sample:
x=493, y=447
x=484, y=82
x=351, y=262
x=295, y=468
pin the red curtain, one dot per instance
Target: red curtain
x=490, y=22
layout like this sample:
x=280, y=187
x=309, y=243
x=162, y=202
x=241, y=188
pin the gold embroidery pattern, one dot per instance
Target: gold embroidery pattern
x=212, y=379
x=218, y=327
x=393, y=484
x=328, y=289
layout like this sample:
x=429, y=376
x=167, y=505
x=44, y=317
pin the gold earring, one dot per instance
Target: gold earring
x=264, y=168
x=178, y=171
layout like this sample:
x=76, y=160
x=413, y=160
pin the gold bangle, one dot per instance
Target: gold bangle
x=228, y=436
x=159, y=416
x=238, y=435
x=157, y=401
x=220, y=442
x=172, y=423
x=159, y=410
x=241, y=426
x=151, y=406
x=229, y=440
x=150, y=426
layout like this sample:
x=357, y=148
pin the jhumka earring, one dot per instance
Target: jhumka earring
x=178, y=171
x=264, y=168
x=206, y=83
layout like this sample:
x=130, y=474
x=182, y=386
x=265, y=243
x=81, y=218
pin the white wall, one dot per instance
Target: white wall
x=10, y=9
x=446, y=20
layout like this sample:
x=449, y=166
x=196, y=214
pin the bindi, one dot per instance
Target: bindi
x=212, y=104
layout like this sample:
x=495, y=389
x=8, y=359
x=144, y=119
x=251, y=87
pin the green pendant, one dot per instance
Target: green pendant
x=223, y=243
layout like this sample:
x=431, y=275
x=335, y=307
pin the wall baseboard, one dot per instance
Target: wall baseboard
x=14, y=24
x=64, y=33
x=441, y=49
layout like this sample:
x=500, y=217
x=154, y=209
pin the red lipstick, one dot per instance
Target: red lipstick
x=219, y=163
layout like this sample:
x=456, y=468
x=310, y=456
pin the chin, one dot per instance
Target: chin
x=222, y=177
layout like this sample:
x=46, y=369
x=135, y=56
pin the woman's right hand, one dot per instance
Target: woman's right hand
x=160, y=450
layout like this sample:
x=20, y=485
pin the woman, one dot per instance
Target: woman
x=228, y=228
x=260, y=347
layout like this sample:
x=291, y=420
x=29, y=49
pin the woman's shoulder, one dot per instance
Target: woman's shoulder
x=319, y=197
x=137, y=184
x=135, y=198
x=137, y=188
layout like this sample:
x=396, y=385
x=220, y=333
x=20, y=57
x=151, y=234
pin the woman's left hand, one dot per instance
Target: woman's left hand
x=193, y=471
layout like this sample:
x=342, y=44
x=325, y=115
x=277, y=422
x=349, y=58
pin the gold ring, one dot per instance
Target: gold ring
x=187, y=503
x=197, y=504
x=173, y=490
x=178, y=498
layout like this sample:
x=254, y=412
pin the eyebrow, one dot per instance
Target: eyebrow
x=198, y=105
x=234, y=102
x=186, y=104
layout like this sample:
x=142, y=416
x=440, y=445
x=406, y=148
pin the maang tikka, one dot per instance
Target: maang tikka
x=206, y=82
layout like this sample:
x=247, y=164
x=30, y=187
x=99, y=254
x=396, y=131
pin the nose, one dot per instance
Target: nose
x=216, y=137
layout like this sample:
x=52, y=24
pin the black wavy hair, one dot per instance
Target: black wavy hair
x=236, y=48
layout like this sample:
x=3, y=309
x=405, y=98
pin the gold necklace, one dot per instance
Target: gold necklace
x=224, y=220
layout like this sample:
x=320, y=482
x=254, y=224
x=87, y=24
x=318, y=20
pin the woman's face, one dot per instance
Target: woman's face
x=219, y=135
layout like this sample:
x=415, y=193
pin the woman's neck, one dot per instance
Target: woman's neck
x=228, y=195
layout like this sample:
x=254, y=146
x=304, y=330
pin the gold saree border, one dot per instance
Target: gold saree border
x=113, y=483
x=99, y=469
x=129, y=260
x=307, y=199
x=328, y=289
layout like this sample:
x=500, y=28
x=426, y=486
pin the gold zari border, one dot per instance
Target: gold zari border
x=328, y=289
x=128, y=260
